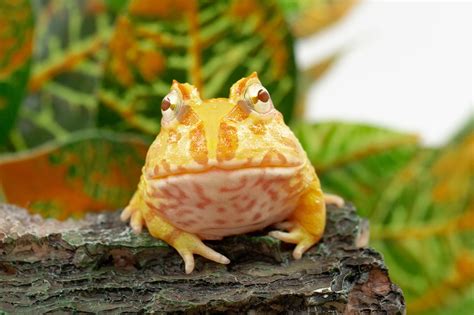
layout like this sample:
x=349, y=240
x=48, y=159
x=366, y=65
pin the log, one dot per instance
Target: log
x=98, y=265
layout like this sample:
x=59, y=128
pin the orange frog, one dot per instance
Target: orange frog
x=222, y=167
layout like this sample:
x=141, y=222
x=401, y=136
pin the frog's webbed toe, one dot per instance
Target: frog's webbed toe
x=296, y=235
x=187, y=245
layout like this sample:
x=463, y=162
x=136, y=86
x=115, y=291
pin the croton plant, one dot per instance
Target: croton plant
x=80, y=89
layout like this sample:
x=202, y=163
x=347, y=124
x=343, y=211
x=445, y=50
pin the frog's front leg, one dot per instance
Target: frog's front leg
x=186, y=244
x=306, y=225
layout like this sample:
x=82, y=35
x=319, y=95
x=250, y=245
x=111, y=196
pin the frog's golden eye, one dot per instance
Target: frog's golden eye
x=258, y=98
x=170, y=105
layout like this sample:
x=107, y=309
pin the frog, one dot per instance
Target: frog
x=226, y=166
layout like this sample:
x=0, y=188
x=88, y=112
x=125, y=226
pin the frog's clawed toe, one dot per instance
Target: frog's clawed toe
x=188, y=244
x=299, y=236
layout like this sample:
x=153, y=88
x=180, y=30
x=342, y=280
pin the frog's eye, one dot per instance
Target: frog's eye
x=170, y=105
x=258, y=98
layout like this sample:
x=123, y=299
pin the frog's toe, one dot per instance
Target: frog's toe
x=299, y=236
x=126, y=214
x=331, y=199
x=187, y=245
x=285, y=225
x=188, y=259
x=204, y=251
x=136, y=222
x=301, y=248
x=287, y=237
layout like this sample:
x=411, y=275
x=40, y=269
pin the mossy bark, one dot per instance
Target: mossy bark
x=98, y=265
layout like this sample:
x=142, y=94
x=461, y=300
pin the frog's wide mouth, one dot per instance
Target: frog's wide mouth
x=223, y=167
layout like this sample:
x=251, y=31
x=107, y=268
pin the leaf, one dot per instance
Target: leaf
x=355, y=160
x=424, y=224
x=208, y=44
x=330, y=144
x=69, y=45
x=454, y=295
x=307, y=17
x=16, y=36
x=116, y=5
x=92, y=171
x=420, y=203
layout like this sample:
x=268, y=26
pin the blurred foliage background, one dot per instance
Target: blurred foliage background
x=80, y=88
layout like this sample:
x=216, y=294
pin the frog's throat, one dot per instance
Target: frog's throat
x=251, y=198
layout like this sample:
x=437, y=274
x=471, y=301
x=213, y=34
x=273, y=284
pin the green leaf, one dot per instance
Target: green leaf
x=307, y=17
x=116, y=5
x=70, y=39
x=355, y=160
x=420, y=203
x=423, y=222
x=208, y=44
x=91, y=171
x=16, y=35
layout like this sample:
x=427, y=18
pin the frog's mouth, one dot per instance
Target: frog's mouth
x=227, y=167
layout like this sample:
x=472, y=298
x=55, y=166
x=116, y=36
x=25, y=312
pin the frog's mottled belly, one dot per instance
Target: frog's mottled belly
x=219, y=203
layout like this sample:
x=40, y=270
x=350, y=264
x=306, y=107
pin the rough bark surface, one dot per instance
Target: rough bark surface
x=98, y=265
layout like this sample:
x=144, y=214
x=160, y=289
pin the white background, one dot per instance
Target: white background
x=406, y=65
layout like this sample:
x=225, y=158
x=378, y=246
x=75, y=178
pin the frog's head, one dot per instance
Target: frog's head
x=243, y=131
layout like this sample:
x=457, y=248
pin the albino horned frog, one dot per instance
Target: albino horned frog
x=222, y=167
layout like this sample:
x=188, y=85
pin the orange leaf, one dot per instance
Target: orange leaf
x=95, y=172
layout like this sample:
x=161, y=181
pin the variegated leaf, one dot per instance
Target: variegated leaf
x=16, y=36
x=209, y=44
x=69, y=47
x=307, y=17
x=424, y=225
x=92, y=171
x=420, y=203
x=354, y=160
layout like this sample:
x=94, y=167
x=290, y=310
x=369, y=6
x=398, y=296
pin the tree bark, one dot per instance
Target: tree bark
x=98, y=265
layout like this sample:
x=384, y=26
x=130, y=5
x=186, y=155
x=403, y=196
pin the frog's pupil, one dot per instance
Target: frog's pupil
x=263, y=95
x=165, y=104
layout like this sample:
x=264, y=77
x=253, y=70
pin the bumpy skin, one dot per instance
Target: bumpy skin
x=222, y=167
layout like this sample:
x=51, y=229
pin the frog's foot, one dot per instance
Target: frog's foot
x=331, y=199
x=187, y=244
x=136, y=218
x=285, y=225
x=298, y=235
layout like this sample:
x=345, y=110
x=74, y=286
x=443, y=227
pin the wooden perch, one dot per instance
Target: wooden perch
x=99, y=265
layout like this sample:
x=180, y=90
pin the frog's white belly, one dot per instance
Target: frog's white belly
x=219, y=203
